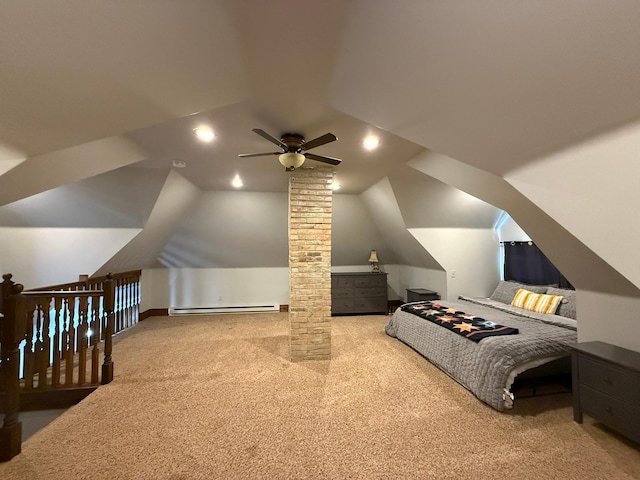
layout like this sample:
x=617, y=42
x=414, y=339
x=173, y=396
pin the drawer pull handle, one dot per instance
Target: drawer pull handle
x=607, y=380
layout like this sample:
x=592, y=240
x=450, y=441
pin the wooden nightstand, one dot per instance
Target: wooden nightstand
x=606, y=386
x=421, y=295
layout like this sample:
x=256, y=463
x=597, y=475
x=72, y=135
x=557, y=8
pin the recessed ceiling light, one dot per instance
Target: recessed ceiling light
x=371, y=142
x=204, y=134
x=237, y=182
x=335, y=185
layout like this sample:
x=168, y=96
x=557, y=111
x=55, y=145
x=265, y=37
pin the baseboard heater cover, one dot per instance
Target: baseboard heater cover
x=224, y=309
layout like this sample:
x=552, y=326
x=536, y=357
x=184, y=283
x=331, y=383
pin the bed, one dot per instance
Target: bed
x=488, y=367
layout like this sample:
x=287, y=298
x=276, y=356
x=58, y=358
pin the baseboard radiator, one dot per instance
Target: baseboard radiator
x=224, y=309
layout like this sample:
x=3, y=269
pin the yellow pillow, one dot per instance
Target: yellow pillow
x=536, y=302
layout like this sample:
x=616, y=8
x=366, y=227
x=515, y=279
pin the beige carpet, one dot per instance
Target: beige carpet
x=216, y=397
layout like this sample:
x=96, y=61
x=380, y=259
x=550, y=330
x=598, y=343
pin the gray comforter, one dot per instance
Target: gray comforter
x=488, y=367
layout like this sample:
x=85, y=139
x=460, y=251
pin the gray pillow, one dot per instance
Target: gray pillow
x=567, y=306
x=506, y=290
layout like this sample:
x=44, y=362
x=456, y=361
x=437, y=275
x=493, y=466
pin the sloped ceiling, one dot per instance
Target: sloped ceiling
x=121, y=198
x=582, y=266
x=387, y=216
x=427, y=202
x=176, y=197
x=230, y=230
x=74, y=71
x=355, y=234
x=494, y=85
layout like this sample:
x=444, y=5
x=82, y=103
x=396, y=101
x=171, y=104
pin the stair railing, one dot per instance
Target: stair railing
x=126, y=300
x=50, y=343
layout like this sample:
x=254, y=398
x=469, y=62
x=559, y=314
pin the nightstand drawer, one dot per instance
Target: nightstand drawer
x=610, y=380
x=606, y=386
x=614, y=413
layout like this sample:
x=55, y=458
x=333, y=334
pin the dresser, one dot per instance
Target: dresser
x=357, y=293
x=606, y=386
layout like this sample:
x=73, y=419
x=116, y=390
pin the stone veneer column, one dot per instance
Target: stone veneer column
x=310, y=198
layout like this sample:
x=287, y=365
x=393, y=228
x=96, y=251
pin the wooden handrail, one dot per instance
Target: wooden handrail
x=80, y=285
x=62, y=293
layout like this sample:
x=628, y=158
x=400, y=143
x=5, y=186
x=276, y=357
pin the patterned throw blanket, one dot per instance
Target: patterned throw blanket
x=469, y=326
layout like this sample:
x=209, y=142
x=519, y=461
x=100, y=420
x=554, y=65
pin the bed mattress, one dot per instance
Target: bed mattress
x=487, y=368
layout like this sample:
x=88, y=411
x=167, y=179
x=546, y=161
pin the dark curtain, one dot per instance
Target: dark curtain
x=524, y=262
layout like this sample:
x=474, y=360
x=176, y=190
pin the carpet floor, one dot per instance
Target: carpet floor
x=208, y=397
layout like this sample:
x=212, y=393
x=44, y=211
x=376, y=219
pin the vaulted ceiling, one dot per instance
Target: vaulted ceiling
x=110, y=92
x=495, y=84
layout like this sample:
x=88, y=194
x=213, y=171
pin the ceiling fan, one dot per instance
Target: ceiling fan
x=294, y=149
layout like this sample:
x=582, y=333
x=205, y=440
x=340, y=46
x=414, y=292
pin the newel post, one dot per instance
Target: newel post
x=12, y=332
x=109, y=286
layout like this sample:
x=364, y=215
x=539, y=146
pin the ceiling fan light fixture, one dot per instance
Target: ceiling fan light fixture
x=291, y=160
x=294, y=149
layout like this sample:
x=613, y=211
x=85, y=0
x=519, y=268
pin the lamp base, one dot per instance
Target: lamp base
x=375, y=268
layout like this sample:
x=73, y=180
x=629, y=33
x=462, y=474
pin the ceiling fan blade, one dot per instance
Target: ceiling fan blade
x=316, y=142
x=265, y=135
x=247, y=155
x=321, y=158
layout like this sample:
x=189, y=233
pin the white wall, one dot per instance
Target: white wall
x=608, y=318
x=509, y=231
x=415, y=277
x=38, y=257
x=200, y=287
x=207, y=287
x=364, y=267
x=468, y=255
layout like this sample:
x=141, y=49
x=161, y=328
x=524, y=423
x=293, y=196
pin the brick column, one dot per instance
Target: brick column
x=310, y=198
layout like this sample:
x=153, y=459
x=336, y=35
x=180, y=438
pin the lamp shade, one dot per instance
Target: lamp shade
x=373, y=257
x=291, y=159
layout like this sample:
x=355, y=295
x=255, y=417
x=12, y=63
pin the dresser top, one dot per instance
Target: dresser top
x=612, y=353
